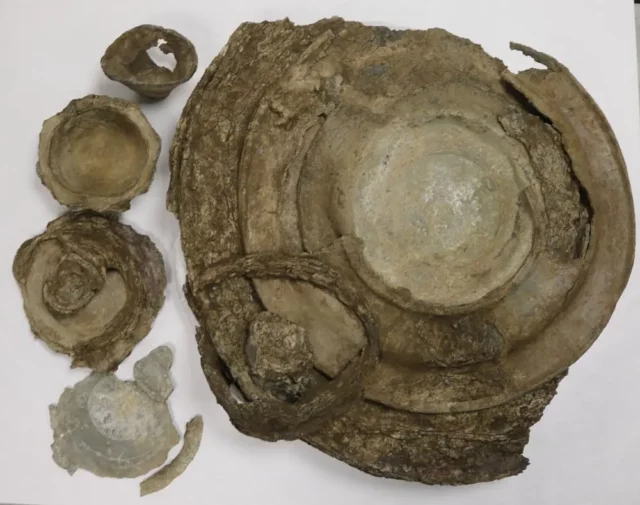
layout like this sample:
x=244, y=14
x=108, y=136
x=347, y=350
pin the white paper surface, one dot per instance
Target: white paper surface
x=586, y=449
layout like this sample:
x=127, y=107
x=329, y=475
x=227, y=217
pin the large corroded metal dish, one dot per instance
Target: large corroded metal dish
x=448, y=236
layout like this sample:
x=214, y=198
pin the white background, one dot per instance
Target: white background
x=585, y=451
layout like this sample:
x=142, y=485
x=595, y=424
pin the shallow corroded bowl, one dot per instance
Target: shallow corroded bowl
x=127, y=60
x=91, y=287
x=98, y=153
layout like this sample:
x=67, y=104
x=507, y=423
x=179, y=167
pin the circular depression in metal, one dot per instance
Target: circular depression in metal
x=436, y=208
x=99, y=152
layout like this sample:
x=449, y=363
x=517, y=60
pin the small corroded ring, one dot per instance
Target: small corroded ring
x=266, y=417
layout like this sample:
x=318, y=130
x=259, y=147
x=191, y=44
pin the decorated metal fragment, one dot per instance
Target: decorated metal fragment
x=113, y=428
